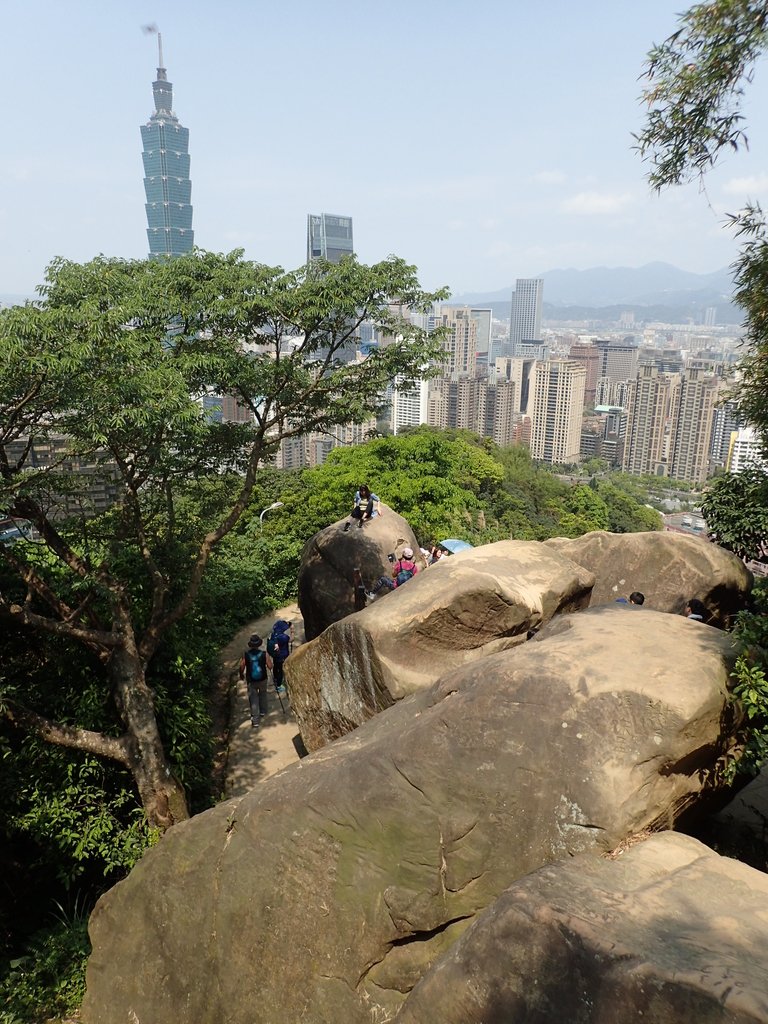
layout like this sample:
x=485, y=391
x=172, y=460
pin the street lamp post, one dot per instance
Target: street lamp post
x=275, y=504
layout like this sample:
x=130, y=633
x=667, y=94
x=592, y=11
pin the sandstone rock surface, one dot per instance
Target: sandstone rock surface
x=330, y=557
x=668, y=932
x=325, y=893
x=668, y=568
x=478, y=602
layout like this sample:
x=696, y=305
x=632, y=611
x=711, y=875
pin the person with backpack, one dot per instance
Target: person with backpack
x=403, y=569
x=253, y=668
x=278, y=648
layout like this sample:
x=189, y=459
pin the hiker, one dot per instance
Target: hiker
x=279, y=647
x=253, y=668
x=696, y=609
x=367, y=505
x=403, y=570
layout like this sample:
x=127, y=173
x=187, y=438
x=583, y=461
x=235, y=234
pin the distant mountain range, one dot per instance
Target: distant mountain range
x=657, y=291
x=653, y=292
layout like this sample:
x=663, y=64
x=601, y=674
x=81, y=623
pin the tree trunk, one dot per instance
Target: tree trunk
x=162, y=796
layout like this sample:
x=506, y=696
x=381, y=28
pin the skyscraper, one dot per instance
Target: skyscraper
x=166, y=173
x=649, y=402
x=329, y=237
x=525, y=322
x=557, y=410
x=692, y=415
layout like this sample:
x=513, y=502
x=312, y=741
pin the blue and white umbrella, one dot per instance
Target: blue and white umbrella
x=454, y=546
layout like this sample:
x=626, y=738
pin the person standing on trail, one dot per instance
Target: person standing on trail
x=279, y=647
x=253, y=668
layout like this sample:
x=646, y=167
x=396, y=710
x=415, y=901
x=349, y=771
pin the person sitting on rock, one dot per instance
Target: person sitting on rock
x=403, y=570
x=367, y=505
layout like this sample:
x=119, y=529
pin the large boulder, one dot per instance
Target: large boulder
x=326, y=574
x=462, y=609
x=668, y=568
x=664, y=933
x=326, y=892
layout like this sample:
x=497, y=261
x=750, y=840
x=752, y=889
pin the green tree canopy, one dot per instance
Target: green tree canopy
x=117, y=359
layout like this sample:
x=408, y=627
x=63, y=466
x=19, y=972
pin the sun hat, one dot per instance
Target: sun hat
x=407, y=552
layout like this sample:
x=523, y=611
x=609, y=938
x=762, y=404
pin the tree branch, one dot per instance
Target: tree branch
x=112, y=747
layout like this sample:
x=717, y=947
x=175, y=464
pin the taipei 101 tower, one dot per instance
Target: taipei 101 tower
x=166, y=173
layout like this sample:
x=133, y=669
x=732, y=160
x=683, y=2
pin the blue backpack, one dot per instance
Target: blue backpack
x=255, y=666
x=405, y=572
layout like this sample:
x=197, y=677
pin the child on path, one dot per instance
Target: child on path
x=253, y=668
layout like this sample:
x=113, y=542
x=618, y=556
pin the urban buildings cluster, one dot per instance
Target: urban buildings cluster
x=647, y=399
x=651, y=403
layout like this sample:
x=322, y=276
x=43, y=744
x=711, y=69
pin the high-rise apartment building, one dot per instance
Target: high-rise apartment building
x=407, y=408
x=692, y=417
x=483, y=318
x=648, y=404
x=557, y=410
x=525, y=322
x=329, y=237
x=460, y=340
x=745, y=451
x=727, y=419
x=616, y=360
x=586, y=353
x=167, y=184
x=519, y=372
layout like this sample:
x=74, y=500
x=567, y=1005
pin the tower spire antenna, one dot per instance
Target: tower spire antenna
x=160, y=50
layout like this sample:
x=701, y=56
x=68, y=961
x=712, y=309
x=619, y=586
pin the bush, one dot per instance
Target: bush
x=48, y=979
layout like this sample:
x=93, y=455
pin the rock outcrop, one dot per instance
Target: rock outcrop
x=477, y=602
x=330, y=558
x=666, y=932
x=740, y=829
x=668, y=568
x=326, y=892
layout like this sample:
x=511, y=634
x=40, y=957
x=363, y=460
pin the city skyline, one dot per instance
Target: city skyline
x=272, y=142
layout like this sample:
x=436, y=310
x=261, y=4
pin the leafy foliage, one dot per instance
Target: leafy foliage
x=108, y=373
x=736, y=509
x=751, y=686
x=695, y=85
x=48, y=979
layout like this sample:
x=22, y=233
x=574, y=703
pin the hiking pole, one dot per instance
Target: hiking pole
x=279, y=697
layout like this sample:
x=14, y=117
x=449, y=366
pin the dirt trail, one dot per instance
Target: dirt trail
x=255, y=754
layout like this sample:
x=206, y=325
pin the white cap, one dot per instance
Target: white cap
x=407, y=552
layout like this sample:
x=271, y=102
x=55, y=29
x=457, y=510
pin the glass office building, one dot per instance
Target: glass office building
x=329, y=237
x=167, y=183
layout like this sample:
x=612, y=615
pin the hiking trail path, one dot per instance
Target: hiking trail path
x=255, y=754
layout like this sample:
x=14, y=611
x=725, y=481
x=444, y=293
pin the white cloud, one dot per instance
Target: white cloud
x=596, y=203
x=746, y=186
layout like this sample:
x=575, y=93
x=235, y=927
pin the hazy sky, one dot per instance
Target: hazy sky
x=482, y=140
